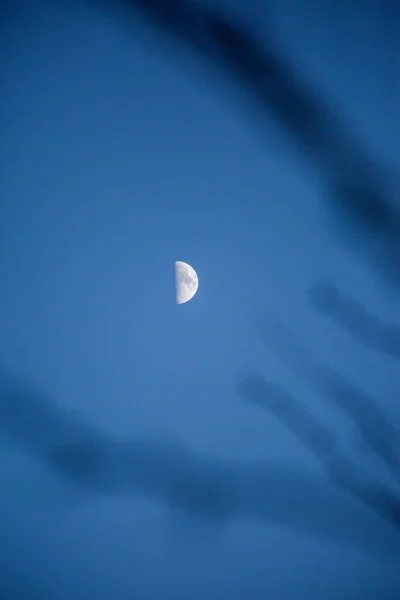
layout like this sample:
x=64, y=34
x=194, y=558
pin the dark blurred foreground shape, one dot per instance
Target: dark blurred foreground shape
x=346, y=505
x=352, y=317
x=196, y=485
x=377, y=431
x=338, y=469
x=357, y=191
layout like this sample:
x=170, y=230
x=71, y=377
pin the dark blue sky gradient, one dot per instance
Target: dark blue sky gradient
x=119, y=155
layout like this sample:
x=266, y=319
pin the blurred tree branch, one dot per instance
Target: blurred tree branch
x=356, y=184
x=357, y=192
x=374, y=427
x=377, y=431
x=319, y=440
x=181, y=479
x=351, y=316
x=198, y=484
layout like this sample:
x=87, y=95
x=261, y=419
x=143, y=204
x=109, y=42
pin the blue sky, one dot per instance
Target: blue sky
x=118, y=158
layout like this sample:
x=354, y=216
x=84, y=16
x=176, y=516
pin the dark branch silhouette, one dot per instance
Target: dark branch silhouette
x=219, y=490
x=197, y=485
x=351, y=316
x=375, y=428
x=357, y=185
x=320, y=441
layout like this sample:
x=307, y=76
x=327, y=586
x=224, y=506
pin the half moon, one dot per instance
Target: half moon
x=186, y=282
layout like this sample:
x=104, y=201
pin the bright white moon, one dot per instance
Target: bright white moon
x=186, y=282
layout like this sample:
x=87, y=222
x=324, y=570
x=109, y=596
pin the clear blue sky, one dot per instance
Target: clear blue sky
x=118, y=158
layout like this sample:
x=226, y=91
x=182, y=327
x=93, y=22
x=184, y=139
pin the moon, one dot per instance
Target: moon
x=186, y=282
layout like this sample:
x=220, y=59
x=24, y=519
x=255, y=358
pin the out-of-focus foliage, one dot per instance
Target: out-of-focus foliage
x=220, y=491
x=197, y=485
x=364, y=412
x=351, y=316
x=356, y=185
